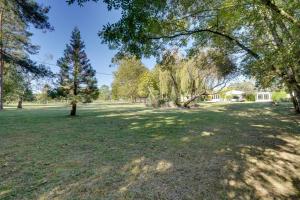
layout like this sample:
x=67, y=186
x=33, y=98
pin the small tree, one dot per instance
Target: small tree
x=77, y=77
x=104, y=93
x=44, y=97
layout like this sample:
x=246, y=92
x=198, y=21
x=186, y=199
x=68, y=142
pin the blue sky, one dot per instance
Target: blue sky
x=89, y=19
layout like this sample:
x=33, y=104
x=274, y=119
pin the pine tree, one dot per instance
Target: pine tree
x=77, y=77
x=16, y=16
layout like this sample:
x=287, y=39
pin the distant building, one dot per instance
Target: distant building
x=263, y=97
x=236, y=95
x=216, y=98
x=239, y=96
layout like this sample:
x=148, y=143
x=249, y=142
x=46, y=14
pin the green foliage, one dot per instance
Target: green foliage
x=245, y=86
x=250, y=97
x=262, y=36
x=149, y=84
x=44, y=95
x=144, y=84
x=279, y=96
x=104, y=93
x=16, y=85
x=17, y=17
x=127, y=79
x=174, y=77
x=77, y=78
x=228, y=97
x=193, y=76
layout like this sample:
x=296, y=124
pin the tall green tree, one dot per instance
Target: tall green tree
x=148, y=84
x=77, y=78
x=127, y=77
x=16, y=16
x=264, y=33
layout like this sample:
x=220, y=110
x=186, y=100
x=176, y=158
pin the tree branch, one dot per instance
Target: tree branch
x=191, y=32
x=281, y=12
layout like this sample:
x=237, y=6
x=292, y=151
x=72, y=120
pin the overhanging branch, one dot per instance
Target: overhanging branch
x=191, y=32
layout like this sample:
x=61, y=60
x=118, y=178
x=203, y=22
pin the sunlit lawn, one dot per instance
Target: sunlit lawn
x=217, y=151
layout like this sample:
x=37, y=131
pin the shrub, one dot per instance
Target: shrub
x=279, y=96
x=229, y=97
x=250, y=97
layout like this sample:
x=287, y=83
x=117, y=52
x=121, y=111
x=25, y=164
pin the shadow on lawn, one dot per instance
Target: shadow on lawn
x=252, y=152
x=234, y=155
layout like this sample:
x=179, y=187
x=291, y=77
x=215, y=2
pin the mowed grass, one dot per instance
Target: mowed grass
x=115, y=151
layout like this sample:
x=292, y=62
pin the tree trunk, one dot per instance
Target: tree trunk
x=186, y=104
x=1, y=60
x=20, y=103
x=193, y=98
x=177, y=93
x=295, y=103
x=292, y=80
x=73, y=110
x=281, y=12
x=1, y=84
x=294, y=90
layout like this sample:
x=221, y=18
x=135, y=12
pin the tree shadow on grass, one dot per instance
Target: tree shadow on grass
x=228, y=152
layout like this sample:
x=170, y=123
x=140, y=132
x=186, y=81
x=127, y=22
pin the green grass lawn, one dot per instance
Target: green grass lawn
x=217, y=151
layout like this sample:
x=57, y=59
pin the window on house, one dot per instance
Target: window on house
x=266, y=96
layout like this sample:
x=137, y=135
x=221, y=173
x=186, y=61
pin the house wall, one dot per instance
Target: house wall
x=263, y=97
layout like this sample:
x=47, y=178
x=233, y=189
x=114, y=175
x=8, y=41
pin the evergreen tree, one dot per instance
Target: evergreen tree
x=16, y=16
x=77, y=77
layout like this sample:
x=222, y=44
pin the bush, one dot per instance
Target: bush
x=279, y=96
x=229, y=97
x=250, y=97
x=208, y=97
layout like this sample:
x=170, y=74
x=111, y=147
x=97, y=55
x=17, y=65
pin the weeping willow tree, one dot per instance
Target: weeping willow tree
x=170, y=66
x=205, y=73
x=165, y=84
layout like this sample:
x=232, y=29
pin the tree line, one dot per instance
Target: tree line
x=183, y=80
x=177, y=78
x=264, y=34
x=255, y=38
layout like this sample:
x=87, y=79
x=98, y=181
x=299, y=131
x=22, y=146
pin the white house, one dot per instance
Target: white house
x=236, y=95
x=215, y=98
x=263, y=97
